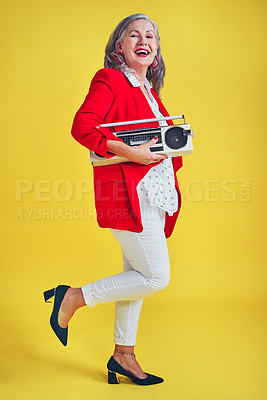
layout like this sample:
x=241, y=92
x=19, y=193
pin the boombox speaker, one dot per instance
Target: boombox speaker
x=173, y=140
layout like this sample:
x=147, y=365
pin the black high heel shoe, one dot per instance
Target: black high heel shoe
x=115, y=368
x=59, y=293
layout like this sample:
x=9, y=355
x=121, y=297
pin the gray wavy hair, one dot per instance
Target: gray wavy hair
x=155, y=76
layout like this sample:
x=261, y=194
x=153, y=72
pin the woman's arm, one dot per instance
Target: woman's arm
x=139, y=154
x=85, y=128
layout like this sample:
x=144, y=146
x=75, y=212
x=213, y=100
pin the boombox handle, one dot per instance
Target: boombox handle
x=142, y=121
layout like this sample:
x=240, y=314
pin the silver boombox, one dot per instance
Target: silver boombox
x=173, y=140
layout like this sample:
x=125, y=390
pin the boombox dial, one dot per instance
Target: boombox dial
x=175, y=138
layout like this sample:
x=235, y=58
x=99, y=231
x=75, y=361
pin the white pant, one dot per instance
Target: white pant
x=146, y=270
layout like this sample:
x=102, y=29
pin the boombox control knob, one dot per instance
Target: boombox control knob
x=175, y=138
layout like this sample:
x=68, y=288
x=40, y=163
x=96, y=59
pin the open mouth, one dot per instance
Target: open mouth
x=142, y=52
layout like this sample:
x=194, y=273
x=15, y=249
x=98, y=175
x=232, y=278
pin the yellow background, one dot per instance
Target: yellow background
x=206, y=333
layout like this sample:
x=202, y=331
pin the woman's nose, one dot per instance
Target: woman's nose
x=142, y=40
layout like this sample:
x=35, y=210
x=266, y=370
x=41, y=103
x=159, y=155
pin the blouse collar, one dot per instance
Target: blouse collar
x=134, y=81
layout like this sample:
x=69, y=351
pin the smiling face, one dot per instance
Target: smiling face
x=139, y=45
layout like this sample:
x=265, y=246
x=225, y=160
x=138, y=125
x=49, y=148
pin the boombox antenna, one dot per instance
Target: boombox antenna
x=142, y=121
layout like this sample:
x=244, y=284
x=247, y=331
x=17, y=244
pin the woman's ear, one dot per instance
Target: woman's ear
x=119, y=49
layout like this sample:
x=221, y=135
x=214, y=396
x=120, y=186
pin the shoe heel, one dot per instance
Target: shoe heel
x=112, y=378
x=48, y=294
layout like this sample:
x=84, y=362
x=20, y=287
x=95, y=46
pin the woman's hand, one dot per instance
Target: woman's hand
x=142, y=154
x=139, y=154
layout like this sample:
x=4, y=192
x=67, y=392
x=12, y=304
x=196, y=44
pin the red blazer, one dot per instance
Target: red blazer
x=112, y=98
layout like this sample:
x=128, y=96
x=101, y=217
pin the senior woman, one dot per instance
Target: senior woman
x=138, y=200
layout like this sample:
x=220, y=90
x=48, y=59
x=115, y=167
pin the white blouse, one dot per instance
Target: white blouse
x=157, y=186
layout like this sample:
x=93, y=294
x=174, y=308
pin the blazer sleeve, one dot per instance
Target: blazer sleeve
x=91, y=114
